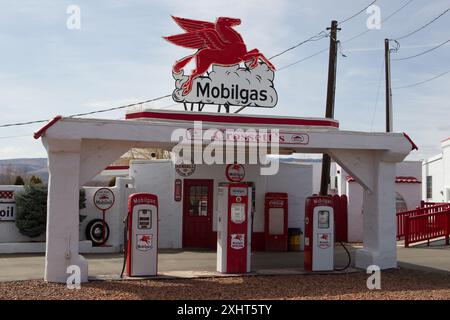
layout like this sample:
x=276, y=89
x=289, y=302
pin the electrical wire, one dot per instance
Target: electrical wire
x=380, y=78
x=382, y=21
x=347, y=40
x=422, y=53
x=423, y=27
x=316, y=37
x=89, y=113
x=424, y=81
x=357, y=13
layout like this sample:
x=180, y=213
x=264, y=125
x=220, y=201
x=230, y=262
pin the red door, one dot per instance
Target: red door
x=197, y=213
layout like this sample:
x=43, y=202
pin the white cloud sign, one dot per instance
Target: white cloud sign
x=232, y=85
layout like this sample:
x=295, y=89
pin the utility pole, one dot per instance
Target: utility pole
x=331, y=90
x=387, y=68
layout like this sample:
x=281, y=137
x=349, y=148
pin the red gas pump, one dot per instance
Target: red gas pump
x=234, y=228
x=319, y=234
x=142, y=243
x=276, y=221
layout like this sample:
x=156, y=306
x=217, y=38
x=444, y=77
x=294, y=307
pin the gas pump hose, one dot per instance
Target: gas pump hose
x=125, y=245
x=349, y=262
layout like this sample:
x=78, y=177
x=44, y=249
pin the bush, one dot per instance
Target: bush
x=31, y=206
x=19, y=181
x=35, y=180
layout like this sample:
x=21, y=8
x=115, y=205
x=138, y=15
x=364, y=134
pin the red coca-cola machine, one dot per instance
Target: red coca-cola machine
x=234, y=228
x=319, y=233
x=276, y=221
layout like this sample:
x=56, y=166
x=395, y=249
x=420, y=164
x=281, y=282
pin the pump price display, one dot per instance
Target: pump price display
x=225, y=310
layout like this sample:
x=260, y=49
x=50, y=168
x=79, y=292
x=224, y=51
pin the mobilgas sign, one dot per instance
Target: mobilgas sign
x=223, y=49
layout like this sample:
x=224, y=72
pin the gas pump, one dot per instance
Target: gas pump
x=234, y=228
x=319, y=234
x=142, y=242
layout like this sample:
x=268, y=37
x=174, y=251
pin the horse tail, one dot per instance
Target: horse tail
x=180, y=64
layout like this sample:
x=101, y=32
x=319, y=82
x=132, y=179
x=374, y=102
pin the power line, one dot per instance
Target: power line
x=422, y=53
x=422, y=82
x=120, y=107
x=316, y=37
x=424, y=26
x=88, y=113
x=322, y=34
x=382, y=21
x=380, y=78
x=348, y=40
x=357, y=13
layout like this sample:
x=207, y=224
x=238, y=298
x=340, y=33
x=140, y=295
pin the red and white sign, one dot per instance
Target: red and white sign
x=235, y=172
x=323, y=240
x=185, y=169
x=221, y=47
x=104, y=199
x=178, y=190
x=237, y=241
x=144, y=242
x=251, y=136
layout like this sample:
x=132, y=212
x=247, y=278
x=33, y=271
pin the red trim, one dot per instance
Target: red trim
x=413, y=145
x=42, y=130
x=398, y=179
x=117, y=168
x=234, y=119
x=446, y=139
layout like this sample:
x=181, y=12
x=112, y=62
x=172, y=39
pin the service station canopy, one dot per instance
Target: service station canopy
x=79, y=149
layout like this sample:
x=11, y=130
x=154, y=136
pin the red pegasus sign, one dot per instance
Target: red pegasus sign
x=217, y=43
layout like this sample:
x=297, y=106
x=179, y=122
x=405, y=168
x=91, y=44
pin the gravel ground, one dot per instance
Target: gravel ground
x=395, y=284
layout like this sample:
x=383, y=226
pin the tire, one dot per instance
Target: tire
x=94, y=232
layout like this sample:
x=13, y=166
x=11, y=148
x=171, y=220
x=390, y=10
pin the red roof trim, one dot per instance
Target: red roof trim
x=234, y=119
x=117, y=168
x=398, y=179
x=446, y=139
x=42, y=130
x=413, y=145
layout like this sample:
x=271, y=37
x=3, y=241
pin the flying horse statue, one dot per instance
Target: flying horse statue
x=217, y=43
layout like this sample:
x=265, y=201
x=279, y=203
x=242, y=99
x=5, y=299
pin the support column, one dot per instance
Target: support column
x=63, y=211
x=379, y=220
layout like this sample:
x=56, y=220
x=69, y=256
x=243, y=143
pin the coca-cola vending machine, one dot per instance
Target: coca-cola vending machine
x=276, y=221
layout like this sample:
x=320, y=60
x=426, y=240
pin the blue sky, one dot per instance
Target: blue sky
x=118, y=57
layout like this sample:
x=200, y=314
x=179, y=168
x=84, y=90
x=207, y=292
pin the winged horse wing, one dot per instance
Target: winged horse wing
x=206, y=38
x=193, y=25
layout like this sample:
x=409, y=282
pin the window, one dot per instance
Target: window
x=400, y=203
x=429, y=187
x=198, y=201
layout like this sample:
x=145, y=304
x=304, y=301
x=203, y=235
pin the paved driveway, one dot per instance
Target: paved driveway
x=31, y=266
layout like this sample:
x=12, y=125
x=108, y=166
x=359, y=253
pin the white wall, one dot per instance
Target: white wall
x=157, y=176
x=355, y=211
x=411, y=193
x=434, y=167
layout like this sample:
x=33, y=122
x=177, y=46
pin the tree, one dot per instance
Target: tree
x=35, y=180
x=112, y=182
x=19, y=181
x=31, y=206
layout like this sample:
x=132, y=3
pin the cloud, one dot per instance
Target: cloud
x=231, y=85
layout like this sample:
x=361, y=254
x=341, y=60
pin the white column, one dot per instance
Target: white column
x=63, y=212
x=379, y=220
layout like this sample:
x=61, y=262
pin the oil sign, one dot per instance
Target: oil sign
x=7, y=206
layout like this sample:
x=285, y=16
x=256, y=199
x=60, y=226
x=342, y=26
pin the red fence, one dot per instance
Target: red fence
x=424, y=223
x=425, y=209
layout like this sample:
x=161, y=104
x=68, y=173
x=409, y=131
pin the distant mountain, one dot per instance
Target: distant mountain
x=26, y=167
